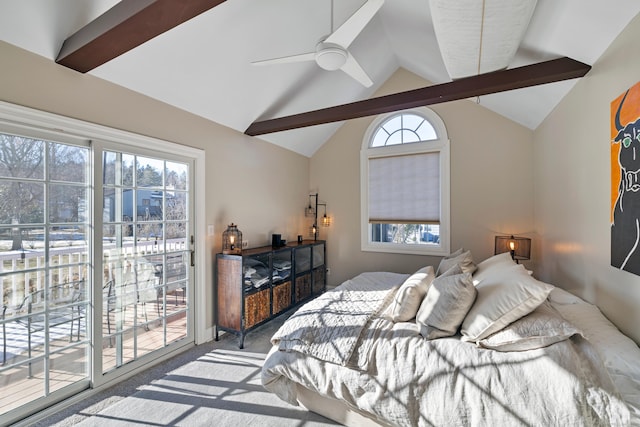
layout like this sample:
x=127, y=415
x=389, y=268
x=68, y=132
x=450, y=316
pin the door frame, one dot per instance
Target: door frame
x=50, y=123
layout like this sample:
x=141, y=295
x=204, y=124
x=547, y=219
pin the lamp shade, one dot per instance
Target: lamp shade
x=520, y=247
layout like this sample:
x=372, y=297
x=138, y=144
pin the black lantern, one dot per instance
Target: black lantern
x=232, y=240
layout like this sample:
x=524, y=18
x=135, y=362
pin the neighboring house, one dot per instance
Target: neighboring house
x=148, y=205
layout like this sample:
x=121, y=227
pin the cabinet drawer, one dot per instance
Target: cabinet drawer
x=257, y=307
x=281, y=297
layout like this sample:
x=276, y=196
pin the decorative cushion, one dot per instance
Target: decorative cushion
x=461, y=257
x=456, y=269
x=492, y=265
x=503, y=297
x=540, y=328
x=410, y=294
x=446, y=304
x=456, y=253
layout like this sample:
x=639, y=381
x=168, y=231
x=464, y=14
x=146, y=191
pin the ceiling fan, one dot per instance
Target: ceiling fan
x=331, y=52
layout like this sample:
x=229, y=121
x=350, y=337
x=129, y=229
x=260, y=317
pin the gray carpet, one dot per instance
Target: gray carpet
x=215, y=384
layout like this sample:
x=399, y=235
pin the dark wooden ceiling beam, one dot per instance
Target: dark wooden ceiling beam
x=125, y=26
x=469, y=87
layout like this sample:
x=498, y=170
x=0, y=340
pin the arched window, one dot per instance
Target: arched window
x=405, y=184
x=403, y=128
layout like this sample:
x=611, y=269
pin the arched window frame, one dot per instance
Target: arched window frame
x=438, y=145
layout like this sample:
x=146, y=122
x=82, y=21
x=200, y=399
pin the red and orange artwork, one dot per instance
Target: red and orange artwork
x=625, y=180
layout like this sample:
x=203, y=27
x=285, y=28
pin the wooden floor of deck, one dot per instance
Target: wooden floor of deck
x=68, y=361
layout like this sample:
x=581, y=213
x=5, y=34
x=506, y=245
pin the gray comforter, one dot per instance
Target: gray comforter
x=391, y=373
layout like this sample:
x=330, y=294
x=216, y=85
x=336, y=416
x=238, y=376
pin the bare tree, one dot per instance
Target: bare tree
x=21, y=160
x=22, y=177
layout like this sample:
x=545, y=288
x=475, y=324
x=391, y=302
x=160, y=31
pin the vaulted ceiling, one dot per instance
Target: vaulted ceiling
x=204, y=65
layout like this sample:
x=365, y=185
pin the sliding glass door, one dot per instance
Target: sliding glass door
x=45, y=268
x=146, y=247
x=96, y=262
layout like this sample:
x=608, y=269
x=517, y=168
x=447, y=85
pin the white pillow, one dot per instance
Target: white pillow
x=461, y=257
x=540, y=328
x=446, y=304
x=407, y=300
x=560, y=296
x=503, y=297
x=492, y=265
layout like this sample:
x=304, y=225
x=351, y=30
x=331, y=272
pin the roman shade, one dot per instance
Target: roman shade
x=405, y=189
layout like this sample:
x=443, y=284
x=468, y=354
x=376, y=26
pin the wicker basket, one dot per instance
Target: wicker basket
x=256, y=308
x=281, y=297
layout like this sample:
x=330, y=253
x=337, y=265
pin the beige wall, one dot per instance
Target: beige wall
x=491, y=185
x=572, y=188
x=242, y=184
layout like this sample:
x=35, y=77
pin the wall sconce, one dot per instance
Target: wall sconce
x=326, y=220
x=519, y=247
x=232, y=240
x=312, y=210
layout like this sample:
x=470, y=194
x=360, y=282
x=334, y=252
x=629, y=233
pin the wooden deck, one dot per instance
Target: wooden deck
x=22, y=382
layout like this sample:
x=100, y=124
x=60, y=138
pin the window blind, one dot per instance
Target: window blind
x=405, y=189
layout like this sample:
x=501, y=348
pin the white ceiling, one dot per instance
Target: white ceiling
x=203, y=66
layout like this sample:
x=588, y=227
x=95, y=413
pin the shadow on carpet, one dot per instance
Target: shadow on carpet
x=218, y=386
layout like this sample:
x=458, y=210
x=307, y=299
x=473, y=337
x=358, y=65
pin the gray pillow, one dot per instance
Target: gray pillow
x=446, y=304
x=463, y=258
x=456, y=269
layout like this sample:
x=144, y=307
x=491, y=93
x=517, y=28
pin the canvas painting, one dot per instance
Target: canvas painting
x=625, y=180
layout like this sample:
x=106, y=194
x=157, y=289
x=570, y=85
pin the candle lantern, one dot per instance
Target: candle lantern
x=232, y=240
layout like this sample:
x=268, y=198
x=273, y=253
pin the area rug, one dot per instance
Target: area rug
x=219, y=387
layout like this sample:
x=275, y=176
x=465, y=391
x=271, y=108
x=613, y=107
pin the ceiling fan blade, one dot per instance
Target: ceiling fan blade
x=286, y=59
x=350, y=29
x=353, y=69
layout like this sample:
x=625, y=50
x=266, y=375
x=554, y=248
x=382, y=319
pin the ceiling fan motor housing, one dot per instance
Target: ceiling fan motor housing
x=330, y=56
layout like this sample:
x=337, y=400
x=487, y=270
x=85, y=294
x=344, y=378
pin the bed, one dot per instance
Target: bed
x=482, y=344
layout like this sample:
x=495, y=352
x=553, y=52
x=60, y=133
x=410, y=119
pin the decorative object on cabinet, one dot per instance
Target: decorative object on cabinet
x=519, y=247
x=232, y=240
x=262, y=283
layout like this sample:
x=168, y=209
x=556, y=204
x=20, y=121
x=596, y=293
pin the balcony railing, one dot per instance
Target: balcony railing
x=22, y=272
